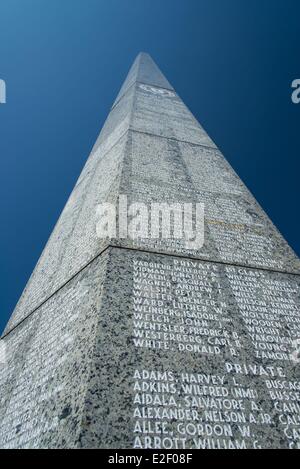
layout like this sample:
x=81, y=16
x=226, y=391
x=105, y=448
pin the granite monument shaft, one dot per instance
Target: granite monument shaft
x=147, y=342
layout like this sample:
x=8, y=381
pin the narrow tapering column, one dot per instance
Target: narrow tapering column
x=147, y=339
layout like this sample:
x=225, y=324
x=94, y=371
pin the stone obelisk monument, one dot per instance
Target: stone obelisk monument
x=147, y=342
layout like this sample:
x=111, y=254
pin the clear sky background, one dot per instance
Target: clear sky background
x=231, y=61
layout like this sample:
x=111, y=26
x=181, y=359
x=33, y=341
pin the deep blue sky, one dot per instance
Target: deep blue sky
x=231, y=61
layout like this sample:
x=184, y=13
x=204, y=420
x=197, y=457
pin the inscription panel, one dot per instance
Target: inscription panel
x=236, y=228
x=161, y=112
x=200, y=356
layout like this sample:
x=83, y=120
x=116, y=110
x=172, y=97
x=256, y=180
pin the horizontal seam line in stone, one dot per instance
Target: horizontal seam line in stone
x=163, y=136
x=132, y=129
x=102, y=156
x=199, y=259
x=76, y=184
x=159, y=253
x=55, y=292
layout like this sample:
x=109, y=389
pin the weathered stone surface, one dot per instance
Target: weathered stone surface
x=73, y=242
x=237, y=230
x=140, y=341
x=198, y=355
x=151, y=148
x=161, y=112
x=121, y=343
x=44, y=382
